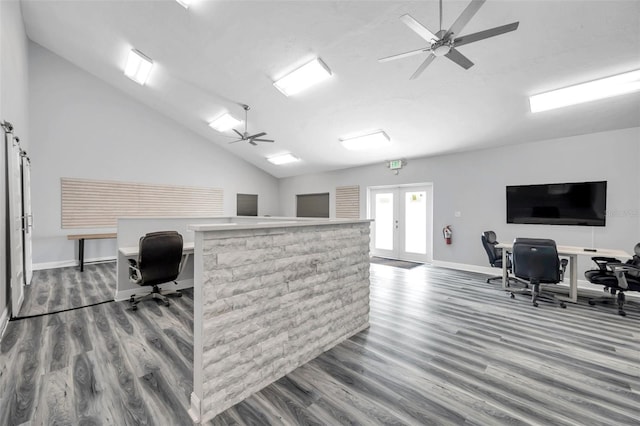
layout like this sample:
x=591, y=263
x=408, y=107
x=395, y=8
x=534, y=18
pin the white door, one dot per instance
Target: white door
x=402, y=227
x=27, y=220
x=15, y=225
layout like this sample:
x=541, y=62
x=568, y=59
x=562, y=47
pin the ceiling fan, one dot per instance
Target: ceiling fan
x=444, y=43
x=252, y=139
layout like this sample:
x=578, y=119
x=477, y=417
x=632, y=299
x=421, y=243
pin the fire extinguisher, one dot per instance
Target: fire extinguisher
x=447, y=233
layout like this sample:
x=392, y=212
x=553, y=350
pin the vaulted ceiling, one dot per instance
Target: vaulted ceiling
x=216, y=55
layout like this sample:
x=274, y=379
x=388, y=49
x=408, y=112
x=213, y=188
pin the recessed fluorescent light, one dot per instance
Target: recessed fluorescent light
x=225, y=122
x=304, y=77
x=283, y=159
x=369, y=140
x=184, y=3
x=586, y=92
x=138, y=67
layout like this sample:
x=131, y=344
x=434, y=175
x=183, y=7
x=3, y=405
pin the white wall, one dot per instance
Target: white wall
x=13, y=107
x=84, y=128
x=474, y=184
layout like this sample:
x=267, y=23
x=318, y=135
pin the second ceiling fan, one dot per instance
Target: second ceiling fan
x=252, y=139
x=444, y=42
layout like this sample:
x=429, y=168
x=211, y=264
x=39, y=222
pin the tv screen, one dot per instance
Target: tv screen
x=583, y=203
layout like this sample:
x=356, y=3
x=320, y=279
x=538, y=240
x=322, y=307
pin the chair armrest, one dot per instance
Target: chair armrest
x=621, y=270
x=135, y=275
x=563, y=268
x=603, y=262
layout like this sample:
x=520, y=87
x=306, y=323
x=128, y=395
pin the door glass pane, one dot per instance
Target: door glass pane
x=415, y=208
x=384, y=221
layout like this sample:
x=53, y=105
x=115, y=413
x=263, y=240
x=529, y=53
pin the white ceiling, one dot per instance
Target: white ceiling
x=219, y=54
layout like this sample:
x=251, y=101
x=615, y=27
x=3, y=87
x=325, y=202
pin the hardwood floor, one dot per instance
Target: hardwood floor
x=54, y=290
x=444, y=348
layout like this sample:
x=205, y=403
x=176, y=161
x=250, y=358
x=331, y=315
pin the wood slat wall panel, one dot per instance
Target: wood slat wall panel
x=98, y=204
x=348, y=202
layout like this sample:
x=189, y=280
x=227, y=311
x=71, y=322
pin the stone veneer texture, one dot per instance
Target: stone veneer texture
x=274, y=299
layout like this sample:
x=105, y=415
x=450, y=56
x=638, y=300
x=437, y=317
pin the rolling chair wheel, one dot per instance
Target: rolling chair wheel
x=178, y=294
x=563, y=305
x=513, y=296
x=622, y=313
x=535, y=304
x=166, y=303
x=592, y=303
x=134, y=308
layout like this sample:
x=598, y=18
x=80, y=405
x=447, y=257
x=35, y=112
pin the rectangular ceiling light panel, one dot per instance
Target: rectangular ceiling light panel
x=370, y=140
x=283, y=159
x=225, y=122
x=304, y=77
x=138, y=67
x=586, y=92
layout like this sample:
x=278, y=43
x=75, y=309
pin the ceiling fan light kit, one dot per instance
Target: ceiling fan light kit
x=138, y=67
x=225, y=122
x=252, y=139
x=444, y=42
x=304, y=77
x=369, y=140
x=586, y=92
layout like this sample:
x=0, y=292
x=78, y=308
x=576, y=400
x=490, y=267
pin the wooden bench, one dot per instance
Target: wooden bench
x=82, y=237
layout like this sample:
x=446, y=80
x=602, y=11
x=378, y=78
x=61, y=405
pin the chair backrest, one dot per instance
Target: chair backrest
x=536, y=259
x=159, y=257
x=489, y=243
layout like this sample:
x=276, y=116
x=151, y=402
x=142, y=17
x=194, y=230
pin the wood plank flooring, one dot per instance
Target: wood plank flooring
x=54, y=290
x=444, y=348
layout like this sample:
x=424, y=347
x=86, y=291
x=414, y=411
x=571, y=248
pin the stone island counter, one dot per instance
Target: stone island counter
x=269, y=297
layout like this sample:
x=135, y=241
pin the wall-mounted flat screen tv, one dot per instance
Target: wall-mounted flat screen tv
x=577, y=203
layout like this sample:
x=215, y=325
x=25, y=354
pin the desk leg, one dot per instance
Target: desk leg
x=81, y=253
x=573, y=284
x=505, y=271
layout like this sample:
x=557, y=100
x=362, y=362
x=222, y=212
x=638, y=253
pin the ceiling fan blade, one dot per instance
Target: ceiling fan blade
x=257, y=135
x=422, y=66
x=239, y=140
x=465, y=17
x=239, y=134
x=459, y=59
x=403, y=55
x=470, y=38
x=263, y=140
x=420, y=29
x=252, y=142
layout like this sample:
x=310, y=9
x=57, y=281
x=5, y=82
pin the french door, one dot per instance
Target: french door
x=402, y=227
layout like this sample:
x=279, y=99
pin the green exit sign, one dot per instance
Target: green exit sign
x=395, y=164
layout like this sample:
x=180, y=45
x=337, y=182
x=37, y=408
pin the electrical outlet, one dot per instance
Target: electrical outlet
x=457, y=214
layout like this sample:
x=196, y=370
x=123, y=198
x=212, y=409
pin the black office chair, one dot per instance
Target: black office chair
x=489, y=243
x=536, y=260
x=616, y=277
x=159, y=261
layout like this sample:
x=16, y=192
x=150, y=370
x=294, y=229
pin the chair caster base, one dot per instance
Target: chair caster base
x=622, y=313
x=513, y=296
x=563, y=305
x=535, y=304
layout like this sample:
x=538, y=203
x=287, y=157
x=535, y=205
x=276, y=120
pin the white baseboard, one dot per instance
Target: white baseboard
x=4, y=321
x=488, y=270
x=68, y=263
x=126, y=294
x=583, y=285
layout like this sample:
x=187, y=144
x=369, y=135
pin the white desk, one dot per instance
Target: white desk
x=573, y=253
x=187, y=249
